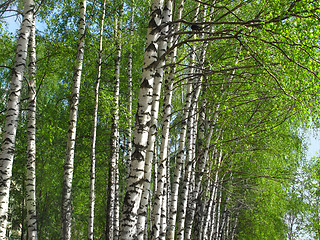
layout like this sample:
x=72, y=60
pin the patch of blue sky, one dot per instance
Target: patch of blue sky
x=13, y=21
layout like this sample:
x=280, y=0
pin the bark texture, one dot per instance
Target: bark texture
x=66, y=207
x=12, y=114
x=143, y=117
x=112, y=205
x=162, y=48
x=31, y=147
x=94, y=131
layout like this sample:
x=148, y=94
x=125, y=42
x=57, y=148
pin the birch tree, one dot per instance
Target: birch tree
x=143, y=117
x=160, y=200
x=112, y=205
x=129, y=136
x=94, y=130
x=162, y=48
x=66, y=207
x=31, y=148
x=12, y=114
x=182, y=139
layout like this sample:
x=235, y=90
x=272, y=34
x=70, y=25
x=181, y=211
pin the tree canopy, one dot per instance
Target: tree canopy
x=199, y=130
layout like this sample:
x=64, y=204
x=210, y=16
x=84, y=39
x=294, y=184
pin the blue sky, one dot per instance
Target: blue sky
x=314, y=145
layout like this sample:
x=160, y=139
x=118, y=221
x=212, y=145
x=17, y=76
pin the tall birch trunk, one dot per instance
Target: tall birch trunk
x=187, y=176
x=112, y=211
x=31, y=148
x=94, y=131
x=162, y=48
x=178, y=168
x=159, y=197
x=66, y=208
x=129, y=136
x=200, y=168
x=143, y=119
x=211, y=205
x=12, y=114
x=234, y=227
x=160, y=209
x=214, y=231
x=180, y=157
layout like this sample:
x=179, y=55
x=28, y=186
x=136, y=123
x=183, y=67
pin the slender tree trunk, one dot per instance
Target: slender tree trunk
x=94, y=131
x=214, y=231
x=112, y=207
x=177, y=175
x=180, y=157
x=211, y=204
x=12, y=114
x=178, y=168
x=161, y=174
x=234, y=227
x=179, y=164
x=186, y=183
x=161, y=200
x=200, y=168
x=116, y=222
x=71, y=139
x=143, y=118
x=162, y=48
x=164, y=205
x=31, y=148
x=129, y=136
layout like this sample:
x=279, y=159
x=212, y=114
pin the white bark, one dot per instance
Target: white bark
x=31, y=148
x=159, y=198
x=180, y=157
x=186, y=183
x=201, y=164
x=129, y=143
x=234, y=227
x=94, y=131
x=143, y=117
x=12, y=114
x=179, y=164
x=163, y=43
x=213, y=199
x=112, y=207
x=164, y=205
x=71, y=138
x=214, y=232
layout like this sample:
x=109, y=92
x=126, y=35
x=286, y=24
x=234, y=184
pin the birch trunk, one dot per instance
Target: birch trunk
x=112, y=211
x=202, y=162
x=94, y=131
x=116, y=222
x=180, y=157
x=187, y=176
x=164, y=205
x=162, y=48
x=143, y=119
x=129, y=143
x=160, y=209
x=31, y=148
x=176, y=183
x=66, y=208
x=12, y=114
x=159, y=197
x=211, y=204
x=159, y=206
x=234, y=228
x=214, y=231
x=178, y=168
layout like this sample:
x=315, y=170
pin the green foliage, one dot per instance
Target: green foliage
x=265, y=80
